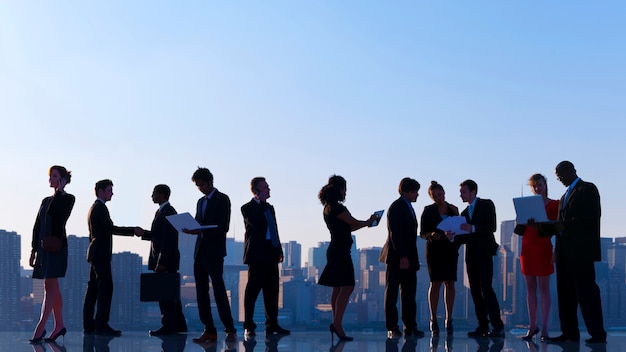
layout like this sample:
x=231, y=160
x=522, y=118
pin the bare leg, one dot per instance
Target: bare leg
x=531, y=300
x=50, y=288
x=57, y=310
x=340, y=304
x=546, y=302
x=449, y=293
x=433, y=298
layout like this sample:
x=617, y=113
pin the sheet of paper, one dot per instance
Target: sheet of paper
x=530, y=207
x=186, y=221
x=453, y=223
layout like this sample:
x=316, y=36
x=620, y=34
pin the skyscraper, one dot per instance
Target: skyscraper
x=125, y=307
x=10, y=249
x=292, y=251
x=74, y=285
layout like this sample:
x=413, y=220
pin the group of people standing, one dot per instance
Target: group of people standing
x=575, y=224
x=576, y=227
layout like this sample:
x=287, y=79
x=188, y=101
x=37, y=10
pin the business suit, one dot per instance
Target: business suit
x=262, y=258
x=99, y=252
x=209, y=256
x=164, y=254
x=401, y=242
x=480, y=247
x=577, y=248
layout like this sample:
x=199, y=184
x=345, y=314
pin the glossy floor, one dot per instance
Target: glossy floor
x=301, y=341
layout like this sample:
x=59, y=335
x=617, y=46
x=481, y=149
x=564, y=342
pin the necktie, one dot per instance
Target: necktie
x=470, y=211
x=566, y=195
x=203, y=208
x=271, y=227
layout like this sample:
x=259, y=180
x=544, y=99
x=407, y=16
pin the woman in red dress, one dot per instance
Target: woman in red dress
x=537, y=261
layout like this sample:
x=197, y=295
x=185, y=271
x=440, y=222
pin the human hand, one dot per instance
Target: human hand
x=436, y=236
x=466, y=227
x=159, y=268
x=61, y=184
x=139, y=231
x=33, y=257
x=191, y=232
x=450, y=235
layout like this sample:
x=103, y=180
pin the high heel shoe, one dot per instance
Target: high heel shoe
x=38, y=339
x=449, y=328
x=333, y=330
x=434, y=327
x=530, y=334
x=53, y=338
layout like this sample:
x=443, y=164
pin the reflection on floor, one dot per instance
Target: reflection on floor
x=301, y=341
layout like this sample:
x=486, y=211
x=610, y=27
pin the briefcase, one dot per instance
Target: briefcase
x=156, y=287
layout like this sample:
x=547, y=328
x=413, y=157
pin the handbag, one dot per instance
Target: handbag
x=51, y=243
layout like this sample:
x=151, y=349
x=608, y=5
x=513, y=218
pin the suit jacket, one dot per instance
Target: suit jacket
x=482, y=241
x=258, y=249
x=402, y=236
x=163, y=239
x=59, y=210
x=580, y=238
x=101, y=231
x=212, y=242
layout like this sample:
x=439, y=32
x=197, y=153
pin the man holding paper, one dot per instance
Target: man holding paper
x=212, y=209
x=480, y=247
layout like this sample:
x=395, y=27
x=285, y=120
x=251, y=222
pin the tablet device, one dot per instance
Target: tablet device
x=379, y=215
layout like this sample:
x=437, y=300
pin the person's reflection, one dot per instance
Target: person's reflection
x=448, y=343
x=339, y=346
x=568, y=346
x=230, y=346
x=498, y=345
x=55, y=347
x=173, y=343
x=483, y=344
x=208, y=346
x=409, y=345
x=98, y=343
x=597, y=347
x=249, y=343
x=271, y=342
x=391, y=345
x=38, y=347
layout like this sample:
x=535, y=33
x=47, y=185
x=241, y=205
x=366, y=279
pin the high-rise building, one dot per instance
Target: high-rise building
x=10, y=249
x=126, y=311
x=292, y=252
x=234, y=252
x=74, y=285
x=317, y=260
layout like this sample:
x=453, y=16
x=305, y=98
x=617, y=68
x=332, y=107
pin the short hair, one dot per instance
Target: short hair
x=254, y=184
x=408, y=184
x=202, y=174
x=331, y=192
x=536, y=177
x=471, y=185
x=164, y=190
x=103, y=184
x=566, y=166
x=67, y=175
x=434, y=185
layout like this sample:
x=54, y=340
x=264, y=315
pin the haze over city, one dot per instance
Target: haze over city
x=145, y=92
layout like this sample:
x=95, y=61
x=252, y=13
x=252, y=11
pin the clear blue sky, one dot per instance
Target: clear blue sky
x=143, y=92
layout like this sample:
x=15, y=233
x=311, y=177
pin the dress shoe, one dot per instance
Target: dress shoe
x=206, y=337
x=497, y=332
x=249, y=332
x=593, y=340
x=231, y=337
x=529, y=336
x=413, y=334
x=394, y=333
x=564, y=338
x=449, y=327
x=107, y=331
x=333, y=331
x=162, y=331
x=479, y=332
x=38, y=339
x=276, y=329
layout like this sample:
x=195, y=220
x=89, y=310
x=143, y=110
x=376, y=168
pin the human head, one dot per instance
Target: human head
x=161, y=193
x=408, y=188
x=469, y=189
x=538, y=184
x=334, y=191
x=566, y=173
x=104, y=189
x=260, y=188
x=57, y=172
x=203, y=178
x=436, y=192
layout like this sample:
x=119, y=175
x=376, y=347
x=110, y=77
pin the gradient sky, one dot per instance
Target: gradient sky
x=144, y=92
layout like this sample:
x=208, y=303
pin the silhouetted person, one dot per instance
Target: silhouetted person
x=51, y=264
x=99, y=252
x=262, y=252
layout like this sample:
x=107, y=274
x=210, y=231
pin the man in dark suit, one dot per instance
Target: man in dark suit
x=262, y=252
x=480, y=247
x=165, y=258
x=577, y=248
x=400, y=255
x=99, y=252
x=212, y=209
